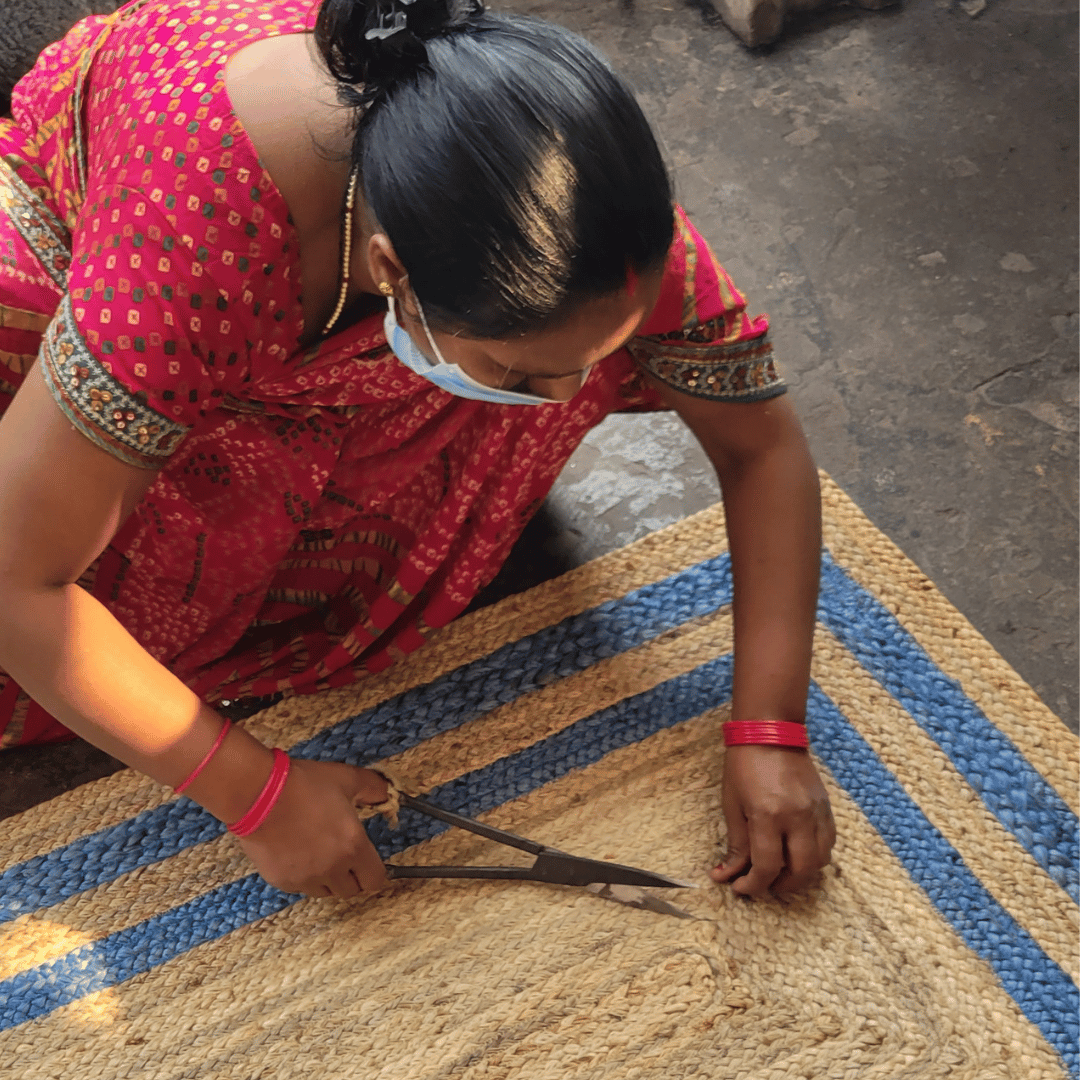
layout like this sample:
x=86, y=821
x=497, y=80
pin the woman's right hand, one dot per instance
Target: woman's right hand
x=313, y=842
x=62, y=499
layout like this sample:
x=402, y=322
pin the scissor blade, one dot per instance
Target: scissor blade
x=634, y=896
x=561, y=869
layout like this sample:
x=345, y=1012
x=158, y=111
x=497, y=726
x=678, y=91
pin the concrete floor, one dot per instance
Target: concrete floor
x=897, y=190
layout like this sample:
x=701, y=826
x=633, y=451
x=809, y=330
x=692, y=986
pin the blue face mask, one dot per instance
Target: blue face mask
x=446, y=376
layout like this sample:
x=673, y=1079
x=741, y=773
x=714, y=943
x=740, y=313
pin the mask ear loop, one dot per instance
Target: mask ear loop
x=427, y=330
x=424, y=323
x=438, y=354
x=431, y=337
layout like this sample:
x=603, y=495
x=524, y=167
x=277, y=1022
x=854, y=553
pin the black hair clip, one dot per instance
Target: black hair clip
x=390, y=22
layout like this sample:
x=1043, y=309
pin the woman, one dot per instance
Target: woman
x=219, y=482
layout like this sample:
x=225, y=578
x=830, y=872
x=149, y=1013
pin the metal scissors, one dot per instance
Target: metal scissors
x=551, y=865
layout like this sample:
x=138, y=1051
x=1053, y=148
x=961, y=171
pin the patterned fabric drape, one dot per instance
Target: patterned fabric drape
x=316, y=510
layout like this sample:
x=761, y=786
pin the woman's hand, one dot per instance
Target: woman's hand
x=313, y=842
x=780, y=828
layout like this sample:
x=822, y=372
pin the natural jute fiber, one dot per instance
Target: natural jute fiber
x=135, y=941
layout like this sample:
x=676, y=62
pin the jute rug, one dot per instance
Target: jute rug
x=586, y=713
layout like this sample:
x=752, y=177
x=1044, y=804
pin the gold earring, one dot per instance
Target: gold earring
x=386, y=288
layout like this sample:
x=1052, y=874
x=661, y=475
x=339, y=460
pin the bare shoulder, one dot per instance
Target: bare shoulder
x=287, y=103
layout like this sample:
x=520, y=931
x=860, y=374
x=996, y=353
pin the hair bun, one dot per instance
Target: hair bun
x=369, y=45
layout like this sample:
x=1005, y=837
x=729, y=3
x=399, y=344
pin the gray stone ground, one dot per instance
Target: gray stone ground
x=27, y=26
x=897, y=190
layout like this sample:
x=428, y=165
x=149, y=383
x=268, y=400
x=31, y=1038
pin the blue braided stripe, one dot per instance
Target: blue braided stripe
x=387, y=729
x=1010, y=786
x=114, y=959
x=140, y=948
x=149, y=837
x=524, y=666
x=189, y=825
x=1012, y=789
x=1045, y=993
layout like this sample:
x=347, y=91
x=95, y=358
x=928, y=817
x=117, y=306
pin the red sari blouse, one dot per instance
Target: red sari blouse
x=317, y=511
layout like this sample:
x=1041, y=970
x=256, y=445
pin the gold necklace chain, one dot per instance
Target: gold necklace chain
x=346, y=248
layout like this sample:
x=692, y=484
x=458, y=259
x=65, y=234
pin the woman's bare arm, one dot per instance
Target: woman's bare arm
x=773, y=505
x=780, y=829
x=61, y=501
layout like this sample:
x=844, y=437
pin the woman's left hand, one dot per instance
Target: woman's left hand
x=780, y=828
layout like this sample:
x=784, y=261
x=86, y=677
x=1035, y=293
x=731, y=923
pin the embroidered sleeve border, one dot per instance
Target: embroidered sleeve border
x=739, y=371
x=98, y=404
x=44, y=233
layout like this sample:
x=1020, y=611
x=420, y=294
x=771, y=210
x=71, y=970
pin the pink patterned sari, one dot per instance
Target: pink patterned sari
x=317, y=511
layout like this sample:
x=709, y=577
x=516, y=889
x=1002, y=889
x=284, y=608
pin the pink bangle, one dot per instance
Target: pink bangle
x=271, y=792
x=206, y=760
x=765, y=733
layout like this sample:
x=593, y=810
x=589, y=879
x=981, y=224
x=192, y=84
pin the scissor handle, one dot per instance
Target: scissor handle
x=552, y=866
x=471, y=825
x=520, y=873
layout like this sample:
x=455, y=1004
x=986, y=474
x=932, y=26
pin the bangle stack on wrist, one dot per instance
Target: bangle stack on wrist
x=765, y=733
x=267, y=798
x=206, y=760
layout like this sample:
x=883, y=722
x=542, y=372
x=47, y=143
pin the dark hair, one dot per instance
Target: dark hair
x=510, y=166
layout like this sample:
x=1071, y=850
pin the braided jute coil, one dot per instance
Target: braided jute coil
x=135, y=942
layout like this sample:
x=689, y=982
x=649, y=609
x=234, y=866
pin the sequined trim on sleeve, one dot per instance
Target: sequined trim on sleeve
x=706, y=368
x=98, y=404
x=43, y=232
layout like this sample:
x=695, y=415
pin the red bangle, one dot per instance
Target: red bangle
x=765, y=733
x=206, y=760
x=271, y=792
